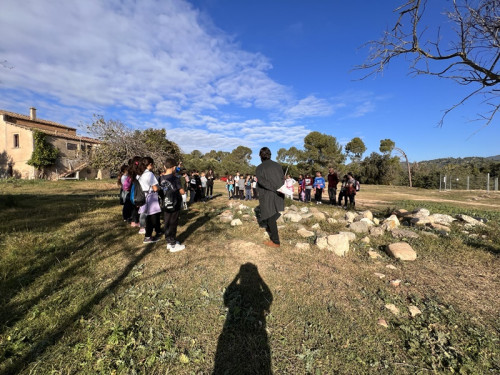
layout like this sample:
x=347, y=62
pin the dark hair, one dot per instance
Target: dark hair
x=265, y=153
x=170, y=162
x=133, y=167
x=143, y=165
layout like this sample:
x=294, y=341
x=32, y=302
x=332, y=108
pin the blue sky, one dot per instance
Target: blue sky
x=222, y=73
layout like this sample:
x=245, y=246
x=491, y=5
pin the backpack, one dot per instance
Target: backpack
x=358, y=185
x=137, y=196
x=171, y=197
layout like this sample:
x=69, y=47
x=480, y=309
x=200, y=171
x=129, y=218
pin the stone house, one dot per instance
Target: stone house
x=17, y=144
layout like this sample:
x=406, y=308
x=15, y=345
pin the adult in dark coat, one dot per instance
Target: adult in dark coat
x=270, y=178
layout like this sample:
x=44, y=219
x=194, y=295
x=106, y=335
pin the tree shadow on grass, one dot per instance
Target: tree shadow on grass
x=194, y=225
x=51, y=338
x=243, y=346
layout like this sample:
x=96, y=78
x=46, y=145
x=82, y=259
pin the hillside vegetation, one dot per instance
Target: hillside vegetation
x=81, y=293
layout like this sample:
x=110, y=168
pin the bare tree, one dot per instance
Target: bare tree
x=470, y=58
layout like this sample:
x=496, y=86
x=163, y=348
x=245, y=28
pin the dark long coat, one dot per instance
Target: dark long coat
x=270, y=178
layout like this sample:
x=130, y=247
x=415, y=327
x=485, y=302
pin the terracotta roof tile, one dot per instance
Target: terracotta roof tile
x=25, y=117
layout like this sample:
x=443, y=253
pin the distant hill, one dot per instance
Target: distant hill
x=467, y=160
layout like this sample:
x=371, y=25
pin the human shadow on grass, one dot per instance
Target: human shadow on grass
x=39, y=347
x=243, y=346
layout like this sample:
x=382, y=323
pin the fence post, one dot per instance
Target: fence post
x=488, y=183
x=496, y=184
x=440, y=182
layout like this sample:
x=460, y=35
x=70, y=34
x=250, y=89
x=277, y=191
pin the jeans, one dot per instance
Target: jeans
x=332, y=194
x=318, y=195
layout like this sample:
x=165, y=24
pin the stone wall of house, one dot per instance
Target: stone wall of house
x=16, y=157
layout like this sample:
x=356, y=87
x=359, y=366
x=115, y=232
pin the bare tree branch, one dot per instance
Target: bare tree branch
x=471, y=56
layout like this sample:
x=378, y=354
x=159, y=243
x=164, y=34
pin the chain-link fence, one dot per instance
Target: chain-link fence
x=464, y=182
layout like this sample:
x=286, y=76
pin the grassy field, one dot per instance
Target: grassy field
x=81, y=293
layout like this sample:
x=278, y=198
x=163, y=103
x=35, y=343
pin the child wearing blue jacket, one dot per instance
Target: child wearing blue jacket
x=318, y=185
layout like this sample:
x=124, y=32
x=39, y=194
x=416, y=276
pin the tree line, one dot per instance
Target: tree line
x=319, y=151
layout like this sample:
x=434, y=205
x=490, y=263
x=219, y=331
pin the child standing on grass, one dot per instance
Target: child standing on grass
x=169, y=181
x=125, y=183
x=254, y=187
x=151, y=209
x=133, y=171
x=289, y=182
x=203, y=180
x=307, y=185
x=230, y=186
x=343, y=192
x=248, y=188
x=351, y=190
x=319, y=185
x=300, y=189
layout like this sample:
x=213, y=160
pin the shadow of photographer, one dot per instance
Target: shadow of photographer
x=243, y=346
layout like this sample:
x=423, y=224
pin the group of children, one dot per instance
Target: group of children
x=145, y=197
x=308, y=185
x=242, y=187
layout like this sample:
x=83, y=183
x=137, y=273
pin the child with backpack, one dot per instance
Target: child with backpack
x=319, y=185
x=172, y=193
x=351, y=189
x=151, y=208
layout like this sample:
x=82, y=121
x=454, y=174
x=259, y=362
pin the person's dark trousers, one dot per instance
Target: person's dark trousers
x=210, y=190
x=127, y=209
x=255, y=194
x=272, y=228
x=236, y=191
x=153, y=222
x=134, y=214
x=203, y=193
x=318, y=195
x=171, y=221
x=352, y=202
x=342, y=195
x=308, y=195
x=192, y=196
x=242, y=194
x=332, y=194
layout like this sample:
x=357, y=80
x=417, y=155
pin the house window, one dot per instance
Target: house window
x=71, y=146
x=16, y=140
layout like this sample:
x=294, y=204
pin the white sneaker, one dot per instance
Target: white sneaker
x=142, y=231
x=176, y=247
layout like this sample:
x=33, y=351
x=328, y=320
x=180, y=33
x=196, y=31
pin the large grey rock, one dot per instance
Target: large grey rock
x=421, y=221
x=292, y=216
x=367, y=221
x=303, y=232
x=402, y=251
x=293, y=208
x=442, y=219
x=226, y=216
x=319, y=216
x=403, y=233
x=367, y=214
x=304, y=210
x=338, y=243
x=359, y=227
x=351, y=236
x=469, y=220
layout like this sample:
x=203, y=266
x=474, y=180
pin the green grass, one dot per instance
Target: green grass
x=80, y=293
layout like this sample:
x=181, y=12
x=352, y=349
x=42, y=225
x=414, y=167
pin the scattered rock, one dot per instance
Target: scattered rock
x=469, y=220
x=383, y=323
x=442, y=219
x=367, y=221
x=331, y=220
x=421, y=221
x=359, y=227
x=338, y=243
x=367, y=214
x=395, y=283
x=236, y=222
x=379, y=275
x=392, y=308
x=376, y=221
x=303, y=246
x=303, y=232
x=421, y=212
x=403, y=233
x=391, y=267
x=376, y=231
x=414, y=311
x=319, y=216
x=390, y=223
x=292, y=216
x=242, y=207
x=351, y=236
x=430, y=234
x=373, y=254
x=304, y=210
x=293, y=208
x=322, y=242
x=365, y=240
x=349, y=216
x=402, y=251
x=316, y=226
x=306, y=215
x=226, y=216
x=401, y=212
